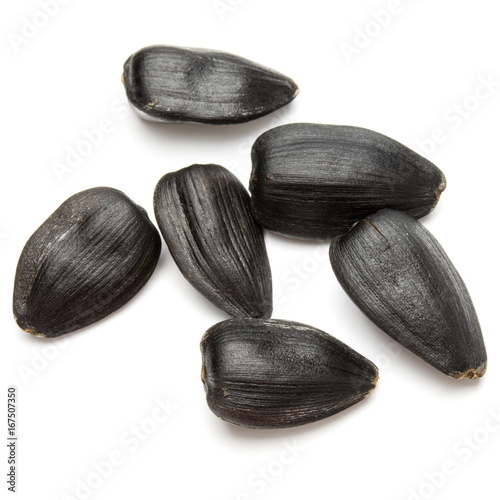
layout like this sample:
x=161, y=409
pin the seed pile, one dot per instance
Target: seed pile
x=355, y=186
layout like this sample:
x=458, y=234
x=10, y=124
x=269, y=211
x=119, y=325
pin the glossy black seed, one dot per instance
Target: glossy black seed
x=401, y=278
x=203, y=212
x=316, y=181
x=270, y=373
x=176, y=84
x=89, y=258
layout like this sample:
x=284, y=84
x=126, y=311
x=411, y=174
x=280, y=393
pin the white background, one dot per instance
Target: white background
x=81, y=405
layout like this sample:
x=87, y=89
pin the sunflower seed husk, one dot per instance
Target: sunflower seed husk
x=177, y=84
x=401, y=278
x=272, y=373
x=315, y=181
x=89, y=258
x=203, y=212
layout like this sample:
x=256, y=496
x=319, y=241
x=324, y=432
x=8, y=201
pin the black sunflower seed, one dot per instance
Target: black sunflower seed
x=89, y=258
x=315, y=181
x=271, y=373
x=401, y=278
x=176, y=84
x=203, y=212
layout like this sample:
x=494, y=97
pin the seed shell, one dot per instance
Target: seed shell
x=315, y=181
x=177, y=84
x=203, y=212
x=267, y=374
x=401, y=278
x=88, y=259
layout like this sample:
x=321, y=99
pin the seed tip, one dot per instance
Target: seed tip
x=374, y=384
x=473, y=373
x=33, y=332
x=439, y=190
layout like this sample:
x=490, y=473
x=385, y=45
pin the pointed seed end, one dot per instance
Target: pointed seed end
x=28, y=329
x=374, y=384
x=473, y=373
x=33, y=332
x=439, y=190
